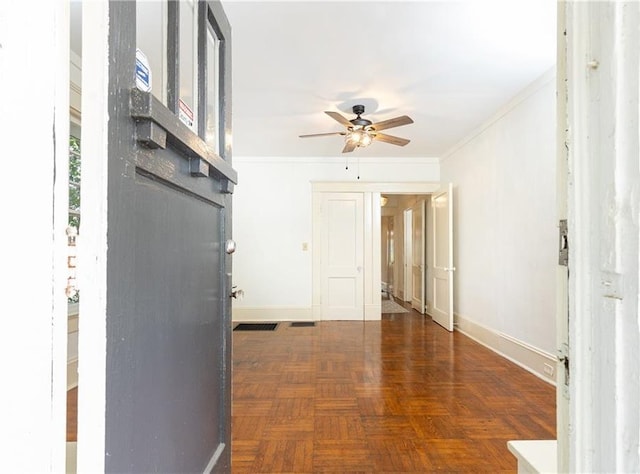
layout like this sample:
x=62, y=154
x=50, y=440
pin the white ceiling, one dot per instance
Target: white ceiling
x=449, y=65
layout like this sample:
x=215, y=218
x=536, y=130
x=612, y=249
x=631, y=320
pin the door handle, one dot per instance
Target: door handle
x=449, y=269
x=230, y=246
x=237, y=294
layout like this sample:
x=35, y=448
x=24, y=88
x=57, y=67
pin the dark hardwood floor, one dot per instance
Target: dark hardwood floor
x=398, y=395
x=393, y=396
x=72, y=414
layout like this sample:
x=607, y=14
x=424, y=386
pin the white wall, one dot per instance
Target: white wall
x=273, y=218
x=505, y=230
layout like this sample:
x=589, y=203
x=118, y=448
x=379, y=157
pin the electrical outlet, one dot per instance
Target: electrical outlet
x=548, y=370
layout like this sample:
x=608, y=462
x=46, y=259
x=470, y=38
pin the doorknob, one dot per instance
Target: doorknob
x=230, y=246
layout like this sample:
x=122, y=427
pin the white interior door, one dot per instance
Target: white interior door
x=418, y=257
x=442, y=274
x=408, y=255
x=342, y=238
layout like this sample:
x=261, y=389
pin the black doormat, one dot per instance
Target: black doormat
x=256, y=327
x=303, y=324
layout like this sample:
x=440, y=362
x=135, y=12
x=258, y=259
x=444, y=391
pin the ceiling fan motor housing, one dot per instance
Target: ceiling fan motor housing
x=359, y=121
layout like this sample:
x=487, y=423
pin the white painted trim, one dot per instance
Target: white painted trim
x=335, y=160
x=373, y=187
x=373, y=312
x=61, y=219
x=534, y=87
x=372, y=233
x=92, y=249
x=272, y=313
x=535, y=455
x=214, y=459
x=562, y=273
x=519, y=352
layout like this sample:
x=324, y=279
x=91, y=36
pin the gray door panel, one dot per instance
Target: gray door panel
x=168, y=381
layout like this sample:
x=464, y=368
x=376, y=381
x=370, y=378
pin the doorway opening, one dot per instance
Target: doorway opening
x=404, y=225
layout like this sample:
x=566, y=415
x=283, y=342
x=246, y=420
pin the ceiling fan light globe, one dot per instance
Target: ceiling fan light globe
x=365, y=139
x=360, y=137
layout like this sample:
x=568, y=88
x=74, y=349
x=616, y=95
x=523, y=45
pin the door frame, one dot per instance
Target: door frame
x=600, y=105
x=372, y=233
x=437, y=271
x=35, y=304
x=407, y=255
x=420, y=208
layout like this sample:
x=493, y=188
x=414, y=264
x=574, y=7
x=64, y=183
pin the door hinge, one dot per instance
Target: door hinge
x=563, y=255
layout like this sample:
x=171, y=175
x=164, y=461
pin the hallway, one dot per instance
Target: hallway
x=397, y=395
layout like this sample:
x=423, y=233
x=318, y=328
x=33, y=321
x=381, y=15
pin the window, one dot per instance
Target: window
x=212, y=131
x=151, y=39
x=188, y=60
x=185, y=53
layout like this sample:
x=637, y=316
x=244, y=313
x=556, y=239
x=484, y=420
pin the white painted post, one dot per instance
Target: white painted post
x=562, y=272
x=34, y=84
x=93, y=249
x=603, y=207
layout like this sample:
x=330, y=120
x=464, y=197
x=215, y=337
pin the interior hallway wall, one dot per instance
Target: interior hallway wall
x=273, y=221
x=505, y=229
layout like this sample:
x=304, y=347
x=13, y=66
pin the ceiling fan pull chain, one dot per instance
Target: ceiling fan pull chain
x=358, y=167
x=346, y=160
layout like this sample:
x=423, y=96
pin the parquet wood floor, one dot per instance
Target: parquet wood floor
x=401, y=395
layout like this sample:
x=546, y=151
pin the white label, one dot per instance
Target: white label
x=185, y=114
x=143, y=72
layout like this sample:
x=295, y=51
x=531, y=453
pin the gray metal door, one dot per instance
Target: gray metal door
x=169, y=217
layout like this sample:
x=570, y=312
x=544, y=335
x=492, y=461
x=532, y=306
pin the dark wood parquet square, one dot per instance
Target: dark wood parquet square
x=400, y=395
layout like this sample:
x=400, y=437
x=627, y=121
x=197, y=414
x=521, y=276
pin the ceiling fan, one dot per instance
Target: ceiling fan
x=361, y=132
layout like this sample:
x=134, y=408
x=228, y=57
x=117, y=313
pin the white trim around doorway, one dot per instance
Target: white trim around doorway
x=372, y=235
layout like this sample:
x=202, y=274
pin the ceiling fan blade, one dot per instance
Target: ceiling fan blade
x=391, y=139
x=394, y=122
x=348, y=147
x=322, y=134
x=339, y=118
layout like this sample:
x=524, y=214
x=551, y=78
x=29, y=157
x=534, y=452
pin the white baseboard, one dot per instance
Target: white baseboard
x=272, y=313
x=525, y=355
x=372, y=312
